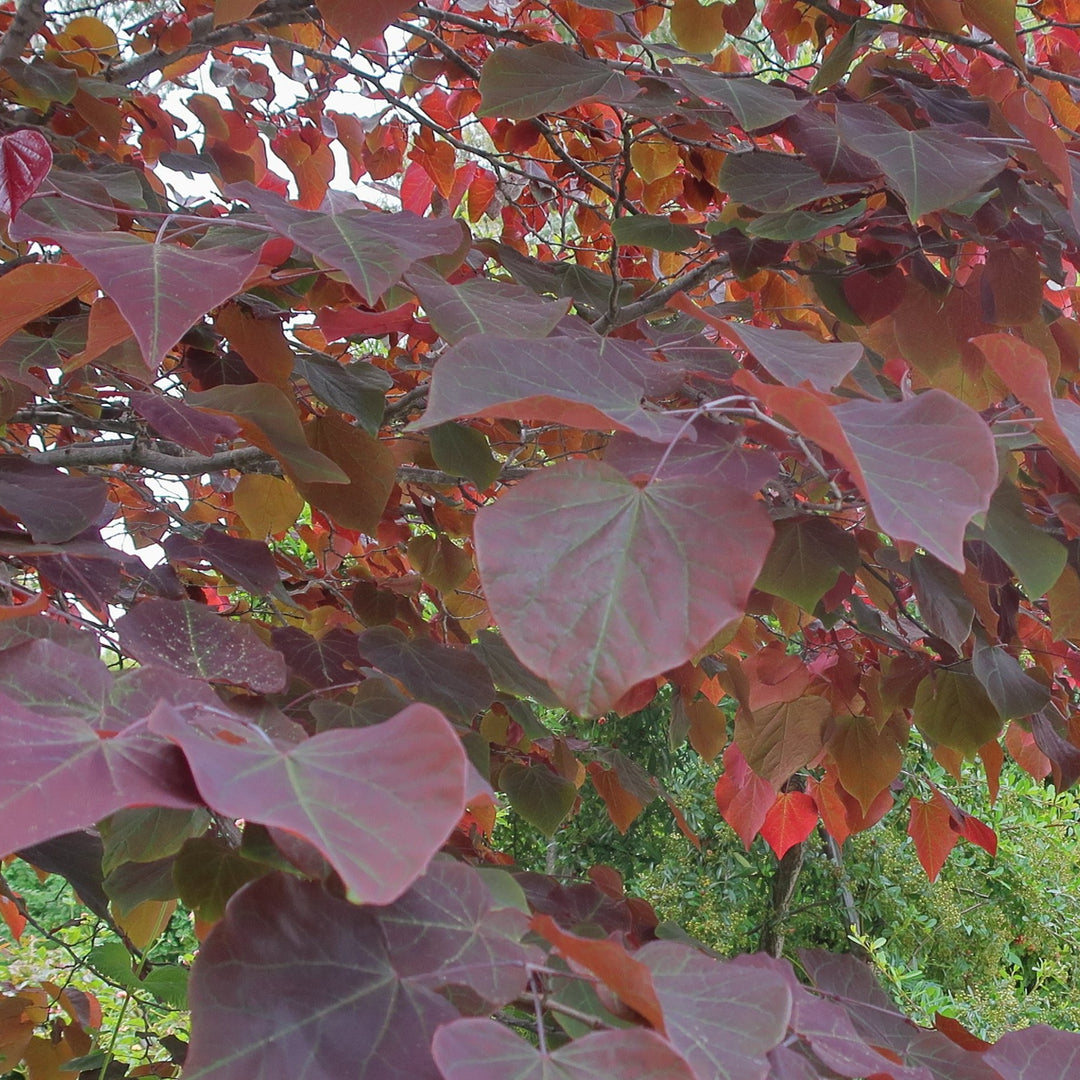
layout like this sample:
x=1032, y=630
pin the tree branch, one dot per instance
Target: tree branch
x=28, y=20
x=654, y=301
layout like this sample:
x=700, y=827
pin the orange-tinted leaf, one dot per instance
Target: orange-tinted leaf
x=867, y=759
x=930, y=828
x=790, y=820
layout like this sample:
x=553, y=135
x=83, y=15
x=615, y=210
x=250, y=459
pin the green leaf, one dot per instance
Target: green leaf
x=952, y=708
x=461, y=450
x=542, y=797
x=654, y=231
x=1036, y=557
x=805, y=560
x=522, y=83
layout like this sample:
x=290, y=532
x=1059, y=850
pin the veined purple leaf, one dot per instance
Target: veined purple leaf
x=929, y=465
x=295, y=982
x=373, y=249
x=51, y=504
x=173, y=420
x=248, y=563
x=162, y=290
x=1036, y=1053
x=792, y=357
x=722, y=1017
x=330, y=660
x=59, y=774
x=377, y=802
x=25, y=160
x=775, y=182
x=483, y=1049
x=753, y=103
x=452, y=680
x=521, y=83
x=189, y=638
x=480, y=306
x=581, y=381
x=930, y=168
x=597, y=583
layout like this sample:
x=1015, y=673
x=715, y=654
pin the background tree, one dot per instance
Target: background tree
x=714, y=350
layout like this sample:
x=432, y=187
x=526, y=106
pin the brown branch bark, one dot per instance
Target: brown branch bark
x=28, y=20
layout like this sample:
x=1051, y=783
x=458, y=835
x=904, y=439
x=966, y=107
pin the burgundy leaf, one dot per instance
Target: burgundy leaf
x=453, y=680
x=480, y=306
x=931, y=168
x=173, y=420
x=598, y=584
x=295, y=982
x=248, y=563
x=53, y=505
x=584, y=382
x=522, y=83
x=792, y=357
x=1036, y=1053
x=191, y=639
x=162, y=290
x=25, y=160
x=483, y=1049
x=55, y=681
x=321, y=662
x=376, y=802
x=723, y=1018
x=373, y=249
x=928, y=466
x=59, y=774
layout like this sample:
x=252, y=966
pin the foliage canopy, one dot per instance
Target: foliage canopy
x=724, y=348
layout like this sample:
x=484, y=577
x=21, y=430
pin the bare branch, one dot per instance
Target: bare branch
x=28, y=20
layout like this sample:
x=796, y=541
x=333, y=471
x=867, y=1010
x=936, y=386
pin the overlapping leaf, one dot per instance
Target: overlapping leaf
x=377, y=802
x=598, y=583
x=483, y=1049
x=372, y=249
x=25, y=159
x=51, y=504
x=191, y=639
x=161, y=289
x=522, y=83
x=296, y=982
x=59, y=774
x=585, y=382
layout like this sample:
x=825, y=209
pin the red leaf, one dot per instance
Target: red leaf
x=25, y=160
x=930, y=827
x=742, y=797
x=669, y=565
x=790, y=821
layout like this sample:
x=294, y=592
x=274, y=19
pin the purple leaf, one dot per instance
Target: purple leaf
x=753, y=103
x=928, y=466
x=294, y=982
x=775, y=182
x=330, y=660
x=55, y=681
x=723, y=1018
x=482, y=1049
x=480, y=306
x=930, y=168
x=189, y=427
x=59, y=774
x=792, y=357
x=376, y=802
x=248, y=563
x=1036, y=1053
x=189, y=638
x=162, y=290
x=597, y=583
x=373, y=249
x=53, y=505
x=522, y=83
x=583, y=382
x=25, y=160
x=453, y=680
